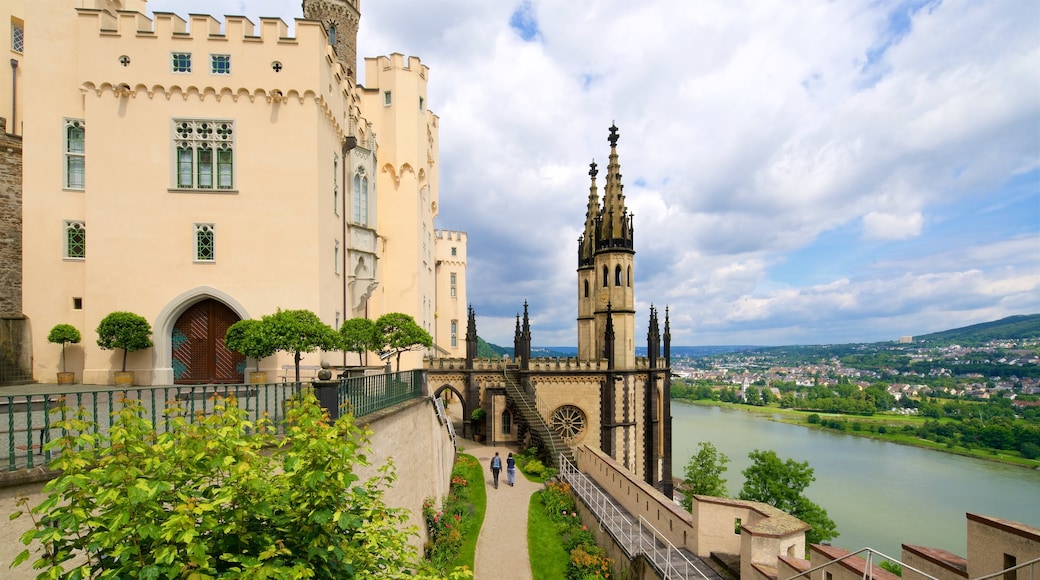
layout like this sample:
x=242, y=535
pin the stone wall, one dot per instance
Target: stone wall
x=10, y=222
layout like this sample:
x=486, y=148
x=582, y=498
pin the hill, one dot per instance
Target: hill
x=1012, y=327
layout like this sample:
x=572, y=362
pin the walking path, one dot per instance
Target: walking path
x=502, y=544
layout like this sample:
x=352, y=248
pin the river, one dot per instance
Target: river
x=880, y=495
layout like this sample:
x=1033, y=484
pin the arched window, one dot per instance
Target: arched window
x=586, y=289
x=630, y=276
x=332, y=34
x=507, y=423
x=606, y=273
x=617, y=275
x=357, y=198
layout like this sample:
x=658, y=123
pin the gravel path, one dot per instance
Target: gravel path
x=502, y=545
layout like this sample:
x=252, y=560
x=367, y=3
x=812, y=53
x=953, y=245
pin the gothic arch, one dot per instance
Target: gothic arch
x=447, y=387
x=162, y=328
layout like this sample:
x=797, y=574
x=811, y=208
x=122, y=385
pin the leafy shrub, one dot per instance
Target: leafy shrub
x=206, y=498
x=534, y=468
x=814, y=419
x=1029, y=450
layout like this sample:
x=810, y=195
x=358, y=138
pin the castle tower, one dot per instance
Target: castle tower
x=340, y=19
x=606, y=258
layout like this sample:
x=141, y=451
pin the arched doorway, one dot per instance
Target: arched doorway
x=197, y=341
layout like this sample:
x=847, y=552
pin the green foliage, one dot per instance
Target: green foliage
x=358, y=335
x=703, y=474
x=478, y=415
x=587, y=560
x=534, y=468
x=251, y=338
x=549, y=559
x=299, y=331
x=449, y=526
x=125, y=330
x=813, y=419
x=780, y=484
x=64, y=334
x=488, y=350
x=1029, y=450
x=396, y=333
x=891, y=567
x=204, y=497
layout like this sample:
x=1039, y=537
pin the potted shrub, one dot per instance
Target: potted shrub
x=477, y=416
x=128, y=331
x=299, y=331
x=64, y=334
x=250, y=337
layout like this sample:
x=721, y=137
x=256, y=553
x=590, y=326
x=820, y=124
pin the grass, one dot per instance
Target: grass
x=469, y=468
x=544, y=546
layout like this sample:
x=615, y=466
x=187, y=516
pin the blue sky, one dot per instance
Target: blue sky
x=801, y=172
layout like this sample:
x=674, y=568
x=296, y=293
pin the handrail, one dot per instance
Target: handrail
x=617, y=521
x=1032, y=568
x=438, y=405
x=868, y=567
x=531, y=413
x=669, y=547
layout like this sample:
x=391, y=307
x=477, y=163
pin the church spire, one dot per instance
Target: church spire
x=587, y=241
x=615, y=223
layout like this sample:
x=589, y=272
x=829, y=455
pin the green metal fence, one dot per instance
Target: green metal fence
x=371, y=393
x=27, y=421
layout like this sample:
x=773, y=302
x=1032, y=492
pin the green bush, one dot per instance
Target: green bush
x=1029, y=450
x=64, y=334
x=205, y=497
x=814, y=419
x=125, y=330
x=534, y=468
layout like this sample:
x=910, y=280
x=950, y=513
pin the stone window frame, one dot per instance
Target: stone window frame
x=180, y=62
x=335, y=257
x=360, y=205
x=388, y=98
x=205, y=243
x=74, y=172
x=335, y=184
x=203, y=155
x=454, y=334
x=74, y=233
x=17, y=35
x=220, y=64
x=454, y=279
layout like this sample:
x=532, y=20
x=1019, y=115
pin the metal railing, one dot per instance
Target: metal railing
x=370, y=393
x=28, y=421
x=1033, y=566
x=533, y=417
x=635, y=535
x=442, y=415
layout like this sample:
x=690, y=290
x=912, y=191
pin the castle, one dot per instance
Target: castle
x=604, y=398
x=198, y=172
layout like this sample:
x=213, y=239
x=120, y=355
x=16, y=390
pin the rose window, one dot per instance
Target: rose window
x=568, y=421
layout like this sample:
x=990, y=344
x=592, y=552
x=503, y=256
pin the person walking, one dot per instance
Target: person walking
x=496, y=468
x=510, y=470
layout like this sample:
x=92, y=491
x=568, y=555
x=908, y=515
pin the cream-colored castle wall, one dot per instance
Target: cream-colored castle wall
x=408, y=189
x=275, y=232
x=450, y=307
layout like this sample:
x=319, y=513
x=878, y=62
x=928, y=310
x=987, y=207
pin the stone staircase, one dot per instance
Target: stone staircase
x=549, y=439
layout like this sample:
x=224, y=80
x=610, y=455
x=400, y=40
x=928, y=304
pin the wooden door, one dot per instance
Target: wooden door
x=199, y=354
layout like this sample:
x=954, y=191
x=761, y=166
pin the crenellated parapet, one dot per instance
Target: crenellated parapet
x=450, y=235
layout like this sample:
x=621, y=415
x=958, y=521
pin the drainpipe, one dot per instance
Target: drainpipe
x=349, y=143
x=14, y=93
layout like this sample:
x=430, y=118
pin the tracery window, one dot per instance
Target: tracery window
x=361, y=197
x=205, y=243
x=569, y=421
x=204, y=154
x=75, y=239
x=75, y=154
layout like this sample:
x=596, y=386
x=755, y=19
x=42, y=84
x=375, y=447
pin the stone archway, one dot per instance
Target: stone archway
x=462, y=400
x=199, y=355
x=163, y=328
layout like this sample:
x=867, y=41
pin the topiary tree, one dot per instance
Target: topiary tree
x=358, y=335
x=396, y=333
x=299, y=331
x=207, y=498
x=64, y=334
x=125, y=330
x=251, y=338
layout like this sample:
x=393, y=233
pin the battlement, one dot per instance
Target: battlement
x=450, y=235
x=396, y=61
x=541, y=364
x=202, y=26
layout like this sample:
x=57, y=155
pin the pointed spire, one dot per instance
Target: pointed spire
x=587, y=243
x=614, y=212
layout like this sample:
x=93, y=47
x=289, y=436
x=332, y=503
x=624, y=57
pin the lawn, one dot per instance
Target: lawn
x=545, y=549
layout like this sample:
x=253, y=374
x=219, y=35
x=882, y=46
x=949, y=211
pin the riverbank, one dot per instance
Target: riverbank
x=868, y=427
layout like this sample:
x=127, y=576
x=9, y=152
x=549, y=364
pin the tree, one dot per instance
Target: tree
x=251, y=338
x=780, y=484
x=703, y=474
x=64, y=334
x=206, y=497
x=125, y=330
x=299, y=331
x=358, y=335
x=396, y=333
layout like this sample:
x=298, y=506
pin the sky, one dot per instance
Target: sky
x=800, y=172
